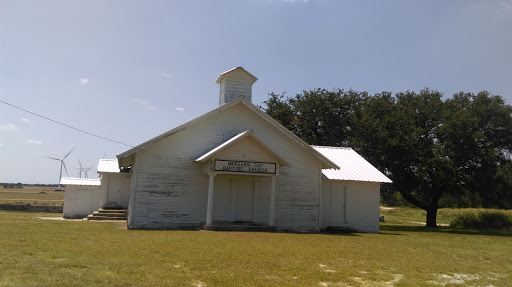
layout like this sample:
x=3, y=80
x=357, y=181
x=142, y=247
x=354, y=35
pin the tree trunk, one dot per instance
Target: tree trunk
x=432, y=217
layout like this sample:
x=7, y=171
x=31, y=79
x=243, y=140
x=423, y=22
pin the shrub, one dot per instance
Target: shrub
x=498, y=220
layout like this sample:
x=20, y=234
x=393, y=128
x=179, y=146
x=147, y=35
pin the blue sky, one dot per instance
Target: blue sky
x=131, y=70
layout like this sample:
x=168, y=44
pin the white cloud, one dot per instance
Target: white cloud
x=34, y=142
x=25, y=120
x=8, y=127
x=84, y=81
x=145, y=104
x=1, y=145
x=166, y=75
x=180, y=109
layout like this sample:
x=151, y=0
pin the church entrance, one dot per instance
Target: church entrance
x=234, y=198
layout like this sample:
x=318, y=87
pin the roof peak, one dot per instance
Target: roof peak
x=222, y=75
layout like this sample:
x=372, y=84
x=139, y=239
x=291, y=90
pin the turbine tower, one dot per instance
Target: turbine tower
x=62, y=164
x=84, y=170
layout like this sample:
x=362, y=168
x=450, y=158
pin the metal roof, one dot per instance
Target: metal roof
x=352, y=166
x=108, y=165
x=80, y=181
x=236, y=138
x=221, y=76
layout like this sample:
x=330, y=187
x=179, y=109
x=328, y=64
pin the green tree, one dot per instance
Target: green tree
x=400, y=136
x=456, y=149
x=319, y=117
x=478, y=138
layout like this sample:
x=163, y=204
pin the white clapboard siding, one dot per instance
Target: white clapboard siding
x=361, y=204
x=80, y=200
x=235, y=83
x=171, y=188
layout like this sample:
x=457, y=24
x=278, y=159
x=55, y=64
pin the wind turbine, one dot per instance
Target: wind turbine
x=62, y=164
x=84, y=170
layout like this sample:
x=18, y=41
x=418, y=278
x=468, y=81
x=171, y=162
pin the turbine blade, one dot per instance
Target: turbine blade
x=79, y=163
x=63, y=164
x=69, y=153
x=51, y=158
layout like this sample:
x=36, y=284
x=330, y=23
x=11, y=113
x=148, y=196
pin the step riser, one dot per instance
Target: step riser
x=103, y=214
x=110, y=218
x=109, y=214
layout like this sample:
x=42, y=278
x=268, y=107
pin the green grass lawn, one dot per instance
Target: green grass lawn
x=416, y=216
x=36, y=252
x=32, y=195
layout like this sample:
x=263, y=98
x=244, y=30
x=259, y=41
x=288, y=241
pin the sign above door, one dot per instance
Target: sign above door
x=244, y=166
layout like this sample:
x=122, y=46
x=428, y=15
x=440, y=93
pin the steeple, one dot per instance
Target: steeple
x=235, y=83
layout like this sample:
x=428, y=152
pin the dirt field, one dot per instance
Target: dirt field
x=32, y=195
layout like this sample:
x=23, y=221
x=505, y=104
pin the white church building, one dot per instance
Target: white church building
x=237, y=166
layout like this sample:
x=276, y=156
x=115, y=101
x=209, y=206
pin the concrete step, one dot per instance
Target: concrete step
x=106, y=218
x=112, y=210
x=107, y=214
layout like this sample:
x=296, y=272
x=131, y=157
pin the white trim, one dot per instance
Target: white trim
x=209, y=207
x=272, y=208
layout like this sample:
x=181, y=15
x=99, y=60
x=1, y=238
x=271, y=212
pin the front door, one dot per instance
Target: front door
x=242, y=194
x=338, y=199
x=222, y=199
x=233, y=198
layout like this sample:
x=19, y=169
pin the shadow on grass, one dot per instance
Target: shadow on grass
x=401, y=229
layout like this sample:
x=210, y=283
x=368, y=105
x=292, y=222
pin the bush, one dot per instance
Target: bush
x=498, y=220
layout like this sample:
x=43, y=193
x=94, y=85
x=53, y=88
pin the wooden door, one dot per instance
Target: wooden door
x=222, y=199
x=337, y=204
x=242, y=194
x=114, y=191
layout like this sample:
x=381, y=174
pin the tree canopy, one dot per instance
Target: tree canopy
x=454, y=151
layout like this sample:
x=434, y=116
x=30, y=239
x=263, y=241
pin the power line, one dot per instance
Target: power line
x=63, y=124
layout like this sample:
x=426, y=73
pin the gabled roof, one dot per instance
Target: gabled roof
x=238, y=137
x=80, y=181
x=108, y=165
x=221, y=76
x=326, y=163
x=352, y=166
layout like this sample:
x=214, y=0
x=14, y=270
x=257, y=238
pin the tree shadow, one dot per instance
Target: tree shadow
x=397, y=229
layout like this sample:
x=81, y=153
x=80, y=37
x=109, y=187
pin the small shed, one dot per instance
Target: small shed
x=350, y=195
x=81, y=196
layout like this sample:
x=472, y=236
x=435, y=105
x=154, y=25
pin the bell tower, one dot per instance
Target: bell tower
x=235, y=83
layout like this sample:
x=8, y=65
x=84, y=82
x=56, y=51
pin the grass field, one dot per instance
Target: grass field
x=32, y=195
x=409, y=215
x=35, y=252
